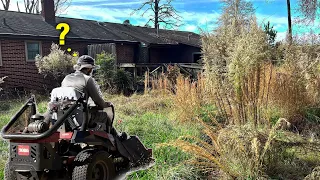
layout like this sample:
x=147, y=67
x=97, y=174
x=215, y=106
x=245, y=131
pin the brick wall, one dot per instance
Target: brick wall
x=23, y=74
x=14, y=65
x=125, y=53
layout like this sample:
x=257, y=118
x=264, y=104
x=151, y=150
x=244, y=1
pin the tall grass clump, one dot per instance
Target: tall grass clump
x=189, y=97
x=228, y=155
x=235, y=61
x=296, y=85
x=162, y=84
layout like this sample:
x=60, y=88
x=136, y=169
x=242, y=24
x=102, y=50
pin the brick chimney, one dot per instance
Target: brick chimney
x=47, y=11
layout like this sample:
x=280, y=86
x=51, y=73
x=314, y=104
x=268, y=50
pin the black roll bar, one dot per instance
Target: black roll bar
x=114, y=115
x=46, y=134
x=17, y=115
x=54, y=128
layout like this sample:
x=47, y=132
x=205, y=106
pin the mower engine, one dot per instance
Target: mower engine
x=38, y=125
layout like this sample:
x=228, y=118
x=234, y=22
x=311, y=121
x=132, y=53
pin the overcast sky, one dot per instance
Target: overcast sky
x=195, y=13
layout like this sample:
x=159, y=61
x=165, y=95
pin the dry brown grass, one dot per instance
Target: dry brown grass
x=188, y=98
x=207, y=154
x=295, y=83
x=236, y=152
x=161, y=84
x=187, y=95
x=247, y=89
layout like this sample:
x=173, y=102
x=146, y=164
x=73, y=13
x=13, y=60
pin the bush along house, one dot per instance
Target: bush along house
x=23, y=36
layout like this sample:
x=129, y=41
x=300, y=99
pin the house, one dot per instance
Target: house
x=23, y=35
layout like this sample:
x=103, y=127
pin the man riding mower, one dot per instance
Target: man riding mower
x=73, y=140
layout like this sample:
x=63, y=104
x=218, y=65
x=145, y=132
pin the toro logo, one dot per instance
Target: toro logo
x=67, y=135
x=23, y=150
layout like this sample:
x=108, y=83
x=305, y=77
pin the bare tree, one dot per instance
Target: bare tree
x=61, y=5
x=5, y=4
x=162, y=12
x=32, y=6
x=289, y=22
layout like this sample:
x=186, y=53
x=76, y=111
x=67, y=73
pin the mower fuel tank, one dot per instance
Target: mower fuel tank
x=33, y=156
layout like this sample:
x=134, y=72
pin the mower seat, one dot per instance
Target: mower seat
x=65, y=97
x=65, y=93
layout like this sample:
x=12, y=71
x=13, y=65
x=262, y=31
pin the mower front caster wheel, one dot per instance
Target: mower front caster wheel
x=93, y=165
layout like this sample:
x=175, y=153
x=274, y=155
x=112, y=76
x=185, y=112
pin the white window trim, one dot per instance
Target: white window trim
x=0, y=54
x=26, y=50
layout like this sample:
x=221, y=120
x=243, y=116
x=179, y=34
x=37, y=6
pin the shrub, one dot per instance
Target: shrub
x=56, y=65
x=111, y=78
x=105, y=74
x=123, y=81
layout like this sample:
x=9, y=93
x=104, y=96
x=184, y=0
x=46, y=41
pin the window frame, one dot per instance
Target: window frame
x=26, y=49
x=193, y=56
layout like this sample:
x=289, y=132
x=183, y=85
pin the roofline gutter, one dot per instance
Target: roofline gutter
x=44, y=37
x=187, y=44
x=176, y=44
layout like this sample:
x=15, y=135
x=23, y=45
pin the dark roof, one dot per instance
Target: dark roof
x=23, y=24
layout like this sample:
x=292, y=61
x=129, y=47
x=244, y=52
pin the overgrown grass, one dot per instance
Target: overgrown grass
x=150, y=117
x=153, y=120
x=252, y=110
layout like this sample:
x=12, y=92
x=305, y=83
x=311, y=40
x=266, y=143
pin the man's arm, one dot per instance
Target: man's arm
x=95, y=93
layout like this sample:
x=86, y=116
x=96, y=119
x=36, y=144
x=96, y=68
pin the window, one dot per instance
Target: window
x=0, y=55
x=32, y=49
x=196, y=57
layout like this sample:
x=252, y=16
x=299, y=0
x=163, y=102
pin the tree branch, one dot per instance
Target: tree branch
x=18, y=7
x=146, y=11
x=5, y=4
x=149, y=2
x=163, y=12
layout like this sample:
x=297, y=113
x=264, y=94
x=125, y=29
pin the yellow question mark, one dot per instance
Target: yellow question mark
x=66, y=29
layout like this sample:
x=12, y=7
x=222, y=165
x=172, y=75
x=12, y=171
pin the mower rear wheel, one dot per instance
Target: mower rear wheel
x=92, y=165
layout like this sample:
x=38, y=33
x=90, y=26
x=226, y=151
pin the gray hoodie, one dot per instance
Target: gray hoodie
x=85, y=84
